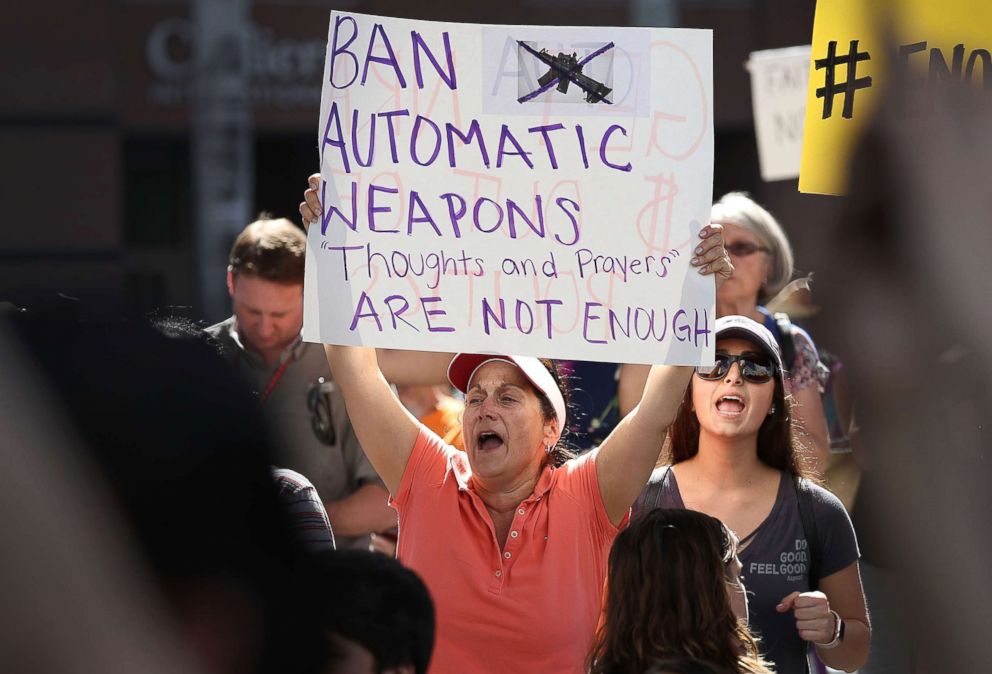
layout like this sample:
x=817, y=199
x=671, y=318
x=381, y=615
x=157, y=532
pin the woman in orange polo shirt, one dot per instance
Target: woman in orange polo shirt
x=510, y=536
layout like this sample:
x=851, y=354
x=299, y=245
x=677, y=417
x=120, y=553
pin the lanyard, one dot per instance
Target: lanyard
x=276, y=376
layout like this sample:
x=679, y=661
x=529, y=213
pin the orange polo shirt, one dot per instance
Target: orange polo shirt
x=530, y=607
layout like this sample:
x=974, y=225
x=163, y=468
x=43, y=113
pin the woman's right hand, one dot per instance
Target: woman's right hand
x=310, y=209
x=814, y=620
x=710, y=256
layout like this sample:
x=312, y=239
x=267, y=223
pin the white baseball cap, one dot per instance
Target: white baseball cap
x=463, y=367
x=752, y=331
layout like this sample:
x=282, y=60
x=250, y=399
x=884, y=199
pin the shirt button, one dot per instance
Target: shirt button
x=507, y=555
x=521, y=511
x=498, y=573
x=514, y=534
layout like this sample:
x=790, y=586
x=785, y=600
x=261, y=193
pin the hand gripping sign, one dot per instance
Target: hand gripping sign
x=517, y=189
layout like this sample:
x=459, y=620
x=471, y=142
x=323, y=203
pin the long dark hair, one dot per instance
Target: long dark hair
x=779, y=444
x=667, y=596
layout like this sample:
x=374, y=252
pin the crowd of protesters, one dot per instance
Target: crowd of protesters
x=171, y=496
x=343, y=509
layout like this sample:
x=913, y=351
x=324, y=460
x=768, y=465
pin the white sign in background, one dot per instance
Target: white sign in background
x=779, y=79
x=471, y=205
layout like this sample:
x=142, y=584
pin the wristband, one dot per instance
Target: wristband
x=838, y=633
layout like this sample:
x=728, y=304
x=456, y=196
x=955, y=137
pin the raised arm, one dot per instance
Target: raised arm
x=414, y=368
x=385, y=429
x=625, y=459
x=405, y=368
x=631, y=385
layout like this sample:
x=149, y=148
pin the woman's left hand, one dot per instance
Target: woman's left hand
x=710, y=256
x=814, y=620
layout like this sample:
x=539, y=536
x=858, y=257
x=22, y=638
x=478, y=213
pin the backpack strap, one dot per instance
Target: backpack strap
x=804, y=495
x=786, y=340
x=661, y=486
x=650, y=497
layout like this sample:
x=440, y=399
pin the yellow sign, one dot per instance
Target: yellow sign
x=856, y=44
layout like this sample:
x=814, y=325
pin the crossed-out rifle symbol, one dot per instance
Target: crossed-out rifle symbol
x=565, y=68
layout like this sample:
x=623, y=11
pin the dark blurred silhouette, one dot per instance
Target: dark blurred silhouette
x=907, y=259
x=77, y=594
x=299, y=497
x=378, y=613
x=185, y=455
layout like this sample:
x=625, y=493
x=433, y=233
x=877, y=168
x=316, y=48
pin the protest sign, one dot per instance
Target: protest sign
x=518, y=189
x=857, y=48
x=779, y=79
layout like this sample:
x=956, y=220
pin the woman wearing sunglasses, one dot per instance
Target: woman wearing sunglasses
x=735, y=457
x=763, y=266
x=763, y=262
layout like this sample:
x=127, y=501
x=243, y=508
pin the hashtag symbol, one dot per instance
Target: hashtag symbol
x=831, y=88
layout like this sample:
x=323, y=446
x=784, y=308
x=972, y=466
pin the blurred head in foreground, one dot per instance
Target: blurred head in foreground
x=913, y=233
x=673, y=581
x=186, y=456
x=377, y=614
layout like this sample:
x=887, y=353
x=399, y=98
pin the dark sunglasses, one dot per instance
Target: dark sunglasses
x=754, y=369
x=745, y=248
x=319, y=404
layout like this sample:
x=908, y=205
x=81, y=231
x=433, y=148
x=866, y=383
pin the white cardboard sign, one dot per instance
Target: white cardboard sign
x=517, y=189
x=779, y=78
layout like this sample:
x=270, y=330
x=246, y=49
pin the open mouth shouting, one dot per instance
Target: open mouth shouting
x=488, y=441
x=730, y=406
